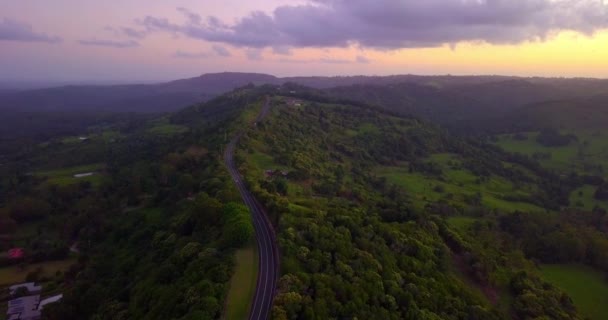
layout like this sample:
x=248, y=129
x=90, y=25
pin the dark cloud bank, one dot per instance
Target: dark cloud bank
x=217, y=51
x=11, y=30
x=391, y=24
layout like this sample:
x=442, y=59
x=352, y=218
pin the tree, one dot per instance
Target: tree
x=29, y=208
x=238, y=228
x=602, y=192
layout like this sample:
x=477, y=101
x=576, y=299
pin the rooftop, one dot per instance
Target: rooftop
x=31, y=287
x=24, y=308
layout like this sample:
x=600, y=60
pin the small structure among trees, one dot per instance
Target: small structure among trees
x=25, y=303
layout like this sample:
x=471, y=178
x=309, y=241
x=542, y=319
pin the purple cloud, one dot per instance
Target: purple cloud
x=221, y=51
x=254, y=54
x=130, y=32
x=333, y=61
x=11, y=30
x=282, y=50
x=194, y=18
x=215, y=51
x=363, y=60
x=191, y=55
x=393, y=24
x=109, y=43
x=328, y=60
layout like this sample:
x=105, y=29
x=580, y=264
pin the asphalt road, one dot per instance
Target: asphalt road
x=268, y=271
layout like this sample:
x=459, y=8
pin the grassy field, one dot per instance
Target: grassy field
x=264, y=161
x=14, y=274
x=587, y=155
x=110, y=135
x=583, y=198
x=72, y=140
x=461, y=223
x=455, y=185
x=65, y=176
x=583, y=156
x=242, y=284
x=167, y=129
x=587, y=288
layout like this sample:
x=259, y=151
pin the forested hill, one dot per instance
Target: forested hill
x=463, y=104
x=586, y=113
x=363, y=202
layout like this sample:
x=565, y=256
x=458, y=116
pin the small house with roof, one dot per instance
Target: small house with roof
x=31, y=288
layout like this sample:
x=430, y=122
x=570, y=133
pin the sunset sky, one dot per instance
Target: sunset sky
x=153, y=40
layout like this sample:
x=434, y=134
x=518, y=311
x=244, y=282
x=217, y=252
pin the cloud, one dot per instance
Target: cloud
x=194, y=18
x=130, y=32
x=11, y=30
x=393, y=24
x=363, y=60
x=254, y=54
x=191, y=55
x=215, y=51
x=110, y=43
x=327, y=60
x=282, y=50
x=333, y=61
x=221, y=51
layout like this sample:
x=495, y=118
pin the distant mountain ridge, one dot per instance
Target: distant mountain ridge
x=162, y=97
x=439, y=98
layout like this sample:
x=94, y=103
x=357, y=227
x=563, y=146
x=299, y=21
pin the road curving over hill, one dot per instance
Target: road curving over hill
x=268, y=271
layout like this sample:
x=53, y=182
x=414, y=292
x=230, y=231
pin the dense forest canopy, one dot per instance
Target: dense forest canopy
x=378, y=212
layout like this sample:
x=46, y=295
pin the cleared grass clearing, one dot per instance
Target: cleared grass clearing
x=167, y=130
x=71, y=140
x=242, y=284
x=65, y=176
x=263, y=161
x=15, y=274
x=583, y=198
x=588, y=155
x=461, y=223
x=368, y=128
x=586, y=286
x=111, y=135
x=70, y=170
x=455, y=187
x=583, y=156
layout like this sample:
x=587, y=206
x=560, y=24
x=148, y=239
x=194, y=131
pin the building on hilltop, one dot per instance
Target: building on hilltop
x=31, y=288
x=24, y=308
x=28, y=307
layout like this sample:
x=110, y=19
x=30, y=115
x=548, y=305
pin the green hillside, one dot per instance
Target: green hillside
x=359, y=198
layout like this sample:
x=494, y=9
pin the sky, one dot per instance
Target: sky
x=156, y=40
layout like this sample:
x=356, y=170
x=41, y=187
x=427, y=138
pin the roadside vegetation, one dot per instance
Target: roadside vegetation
x=242, y=284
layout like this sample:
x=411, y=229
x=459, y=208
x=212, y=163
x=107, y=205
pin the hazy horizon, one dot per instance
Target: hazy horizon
x=6, y=83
